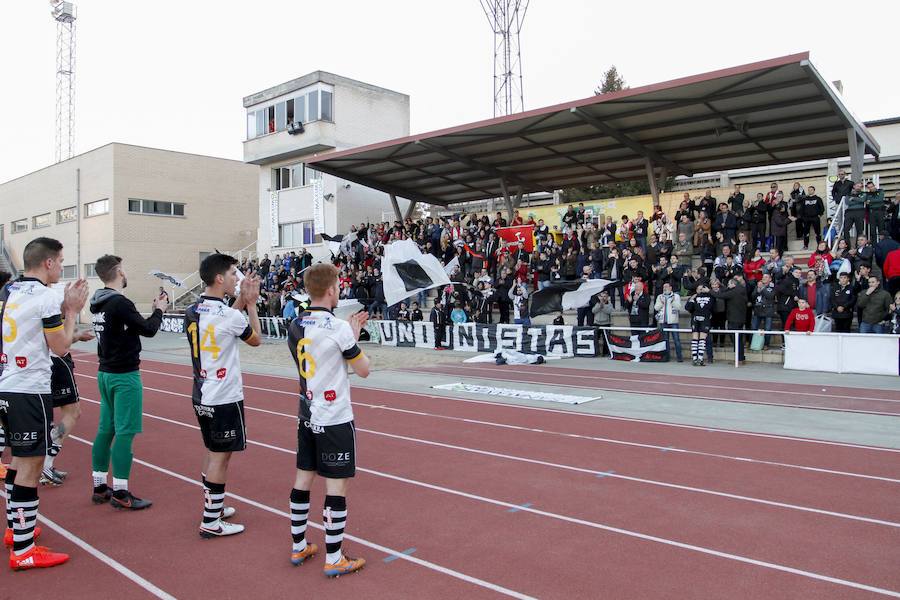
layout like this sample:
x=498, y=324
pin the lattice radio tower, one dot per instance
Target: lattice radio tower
x=505, y=18
x=64, y=15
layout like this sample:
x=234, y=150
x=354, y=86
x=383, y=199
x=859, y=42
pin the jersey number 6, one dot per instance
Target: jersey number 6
x=309, y=370
x=13, y=330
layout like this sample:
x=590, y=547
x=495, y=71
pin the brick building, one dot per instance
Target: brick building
x=157, y=209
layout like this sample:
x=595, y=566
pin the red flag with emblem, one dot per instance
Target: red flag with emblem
x=521, y=233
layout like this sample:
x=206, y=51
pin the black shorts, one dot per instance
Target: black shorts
x=701, y=326
x=62, y=382
x=26, y=418
x=222, y=426
x=328, y=450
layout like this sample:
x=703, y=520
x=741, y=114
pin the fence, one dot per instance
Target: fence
x=867, y=353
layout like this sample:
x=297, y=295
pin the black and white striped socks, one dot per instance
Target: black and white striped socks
x=10, y=479
x=698, y=349
x=24, y=510
x=213, y=501
x=299, y=516
x=334, y=517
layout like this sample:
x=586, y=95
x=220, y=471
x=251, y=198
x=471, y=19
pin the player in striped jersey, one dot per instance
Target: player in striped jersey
x=32, y=326
x=322, y=345
x=213, y=329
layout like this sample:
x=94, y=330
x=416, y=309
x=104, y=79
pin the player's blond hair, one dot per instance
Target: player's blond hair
x=319, y=278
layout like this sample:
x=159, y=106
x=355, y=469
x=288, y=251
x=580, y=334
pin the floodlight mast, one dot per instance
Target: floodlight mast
x=505, y=18
x=64, y=15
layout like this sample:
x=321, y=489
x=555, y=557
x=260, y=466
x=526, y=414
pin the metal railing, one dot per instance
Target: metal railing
x=6, y=258
x=192, y=282
x=739, y=333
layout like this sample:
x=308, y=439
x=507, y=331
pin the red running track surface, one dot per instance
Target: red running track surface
x=873, y=401
x=431, y=480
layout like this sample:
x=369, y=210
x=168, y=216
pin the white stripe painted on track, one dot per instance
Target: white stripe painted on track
x=552, y=465
x=672, y=449
x=565, y=518
x=375, y=546
x=570, y=413
x=105, y=558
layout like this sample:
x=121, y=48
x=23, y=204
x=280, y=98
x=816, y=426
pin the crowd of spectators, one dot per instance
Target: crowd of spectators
x=736, y=247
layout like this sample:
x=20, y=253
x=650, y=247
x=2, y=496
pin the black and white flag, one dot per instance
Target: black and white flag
x=406, y=271
x=646, y=346
x=566, y=295
x=340, y=244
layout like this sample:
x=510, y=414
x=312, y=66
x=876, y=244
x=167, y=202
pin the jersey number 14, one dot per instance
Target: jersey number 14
x=207, y=344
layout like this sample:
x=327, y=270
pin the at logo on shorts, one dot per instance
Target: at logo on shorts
x=3, y=359
x=220, y=374
x=21, y=362
x=203, y=373
x=330, y=395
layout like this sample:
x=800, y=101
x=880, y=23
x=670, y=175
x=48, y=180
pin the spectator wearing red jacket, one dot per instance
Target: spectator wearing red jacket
x=753, y=268
x=822, y=252
x=801, y=318
x=891, y=271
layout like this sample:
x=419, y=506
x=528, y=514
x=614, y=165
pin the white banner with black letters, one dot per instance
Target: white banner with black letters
x=172, y=323
x=547, y=340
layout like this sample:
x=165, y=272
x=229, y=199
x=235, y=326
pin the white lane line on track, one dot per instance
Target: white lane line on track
x=551, y=465
x=494, y=377
x=673, y=449
x=389, y=551
x=673, y=383
x=570, y=413
x=102, y=557
x=574, y=520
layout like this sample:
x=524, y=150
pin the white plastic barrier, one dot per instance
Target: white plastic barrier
x=869, y=354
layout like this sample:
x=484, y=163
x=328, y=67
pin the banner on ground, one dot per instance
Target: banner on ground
x=547, y=340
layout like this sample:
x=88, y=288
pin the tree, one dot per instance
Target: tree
x=612, y=82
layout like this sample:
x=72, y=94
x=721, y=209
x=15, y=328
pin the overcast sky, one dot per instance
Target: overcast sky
x=171, y=74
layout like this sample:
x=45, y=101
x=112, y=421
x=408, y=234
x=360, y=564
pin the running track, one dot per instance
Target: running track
x=829, y=397
x=496, y=500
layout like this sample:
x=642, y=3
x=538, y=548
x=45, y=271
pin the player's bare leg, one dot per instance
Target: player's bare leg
x=68, y=417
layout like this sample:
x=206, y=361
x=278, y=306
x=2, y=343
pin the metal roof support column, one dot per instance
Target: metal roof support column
x=396, y=206
x=857, y=154
x=410, y=209
x=506, y=200
x=651, y=178
x=518, y=201
x=661, y=180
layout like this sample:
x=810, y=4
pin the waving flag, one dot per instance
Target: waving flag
x=340, y=244
x=647, y=346
x=407, y=271
x=520, y=233
x=566, y=295
x=166, y=277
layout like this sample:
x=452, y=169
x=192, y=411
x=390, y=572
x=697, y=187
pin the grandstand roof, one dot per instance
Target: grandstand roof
x=775, y=111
